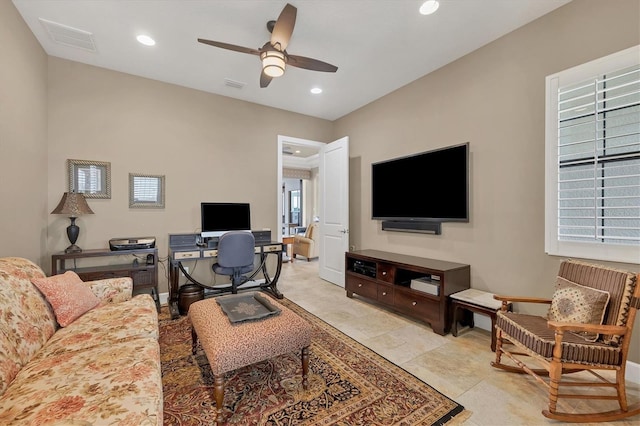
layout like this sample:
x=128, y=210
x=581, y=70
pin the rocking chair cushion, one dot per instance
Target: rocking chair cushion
x=619, y=284
x=532, y=332
x=576, y=303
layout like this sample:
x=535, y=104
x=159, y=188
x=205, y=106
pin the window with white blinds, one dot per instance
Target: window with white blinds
x=145, y=189
x=593, y=146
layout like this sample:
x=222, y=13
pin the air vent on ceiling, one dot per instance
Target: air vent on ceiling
x=287, y=150
x=233, y=83
x=69, y=36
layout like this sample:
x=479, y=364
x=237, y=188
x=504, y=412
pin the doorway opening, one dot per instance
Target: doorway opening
x=331, y=199
x=298, y=162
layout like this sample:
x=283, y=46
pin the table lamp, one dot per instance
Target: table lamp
x=73, y=204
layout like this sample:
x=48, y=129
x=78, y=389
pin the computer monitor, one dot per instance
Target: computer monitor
x=218, y=218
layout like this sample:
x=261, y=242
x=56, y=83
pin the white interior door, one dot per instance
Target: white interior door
x=334, y=209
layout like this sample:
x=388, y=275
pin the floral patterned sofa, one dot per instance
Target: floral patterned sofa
x=101, y=368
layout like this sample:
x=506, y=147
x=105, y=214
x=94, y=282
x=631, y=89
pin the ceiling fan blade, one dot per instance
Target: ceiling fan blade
x=283, y=27
x=230, y=46
x=310, y=64
x=264, y=80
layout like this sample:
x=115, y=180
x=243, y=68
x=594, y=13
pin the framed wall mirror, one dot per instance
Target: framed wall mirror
x=146, y=191
x=295, y=206
x=91, y=178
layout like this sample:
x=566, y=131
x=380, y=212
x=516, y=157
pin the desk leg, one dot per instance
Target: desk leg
x=271, y=284
x=173, y=289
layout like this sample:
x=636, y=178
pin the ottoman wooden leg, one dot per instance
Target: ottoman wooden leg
x=194, y=340
x=218, y=394
x=305, y=367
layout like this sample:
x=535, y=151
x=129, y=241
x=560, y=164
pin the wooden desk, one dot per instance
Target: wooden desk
x=188, y=253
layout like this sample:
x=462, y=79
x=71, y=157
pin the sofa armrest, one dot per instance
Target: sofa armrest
x=112, y=290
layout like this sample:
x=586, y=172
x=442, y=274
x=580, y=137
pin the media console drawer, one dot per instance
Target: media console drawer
x=385, y=294
x=387, y=278
x=386, y=272
x=362, y=287
x=417, y=306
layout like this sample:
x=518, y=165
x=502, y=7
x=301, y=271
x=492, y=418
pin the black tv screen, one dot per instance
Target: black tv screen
x=218, y=218
x=429, y=186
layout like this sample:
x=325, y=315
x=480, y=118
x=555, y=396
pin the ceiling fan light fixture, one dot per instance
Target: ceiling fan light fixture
x=429, y=7
x=273, y=63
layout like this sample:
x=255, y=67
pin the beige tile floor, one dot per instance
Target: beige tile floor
x=459, y=367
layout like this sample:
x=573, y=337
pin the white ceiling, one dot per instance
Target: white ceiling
x=377, y=45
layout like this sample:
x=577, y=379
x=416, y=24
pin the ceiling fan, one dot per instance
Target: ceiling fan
x=273, y=54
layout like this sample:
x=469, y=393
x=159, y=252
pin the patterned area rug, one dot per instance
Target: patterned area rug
x=349, y=385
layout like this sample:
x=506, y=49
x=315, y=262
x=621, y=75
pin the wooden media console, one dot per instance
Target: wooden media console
x=388, y=278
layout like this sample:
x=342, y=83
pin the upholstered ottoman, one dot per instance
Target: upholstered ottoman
x=229, y=346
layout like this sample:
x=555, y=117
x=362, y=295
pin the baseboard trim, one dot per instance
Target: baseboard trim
x=632, y=372
x=164, y=298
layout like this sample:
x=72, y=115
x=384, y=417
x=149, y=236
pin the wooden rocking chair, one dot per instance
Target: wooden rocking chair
x=569, y=347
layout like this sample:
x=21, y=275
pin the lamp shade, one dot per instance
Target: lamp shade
x=273, y=63
x=72, y=204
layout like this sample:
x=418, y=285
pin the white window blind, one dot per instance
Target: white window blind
x=90, y=179
x=595, y=187
x=145, y=189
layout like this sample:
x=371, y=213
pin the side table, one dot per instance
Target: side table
x=288, y=240
x=143, y=270
x=478, y=301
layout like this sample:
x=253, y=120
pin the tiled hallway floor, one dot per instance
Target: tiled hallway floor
x=457, y=367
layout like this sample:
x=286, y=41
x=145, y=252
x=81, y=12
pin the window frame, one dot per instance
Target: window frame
x=554, y=246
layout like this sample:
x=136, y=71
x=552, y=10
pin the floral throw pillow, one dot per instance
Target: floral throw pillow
x=68, y=295
x=576, y=303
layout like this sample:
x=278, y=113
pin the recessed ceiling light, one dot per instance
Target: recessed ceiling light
x=297, y=151
x=429, y=7
x=316, y=90
x=146, y=40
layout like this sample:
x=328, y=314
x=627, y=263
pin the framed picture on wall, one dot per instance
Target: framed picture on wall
x=90, y=178
x=146, y=191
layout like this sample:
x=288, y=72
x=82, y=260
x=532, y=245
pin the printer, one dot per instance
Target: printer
x=117, y=244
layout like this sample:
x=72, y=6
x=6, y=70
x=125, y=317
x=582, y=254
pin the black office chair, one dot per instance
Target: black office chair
x=235, y=257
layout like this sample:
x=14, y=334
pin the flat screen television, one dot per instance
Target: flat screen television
x=218, y=218
x=431, y=186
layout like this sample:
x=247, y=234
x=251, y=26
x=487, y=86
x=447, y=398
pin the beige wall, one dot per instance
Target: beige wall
x=209, y=147
x=214, y=148
x=493, y=98
x=23, y=146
